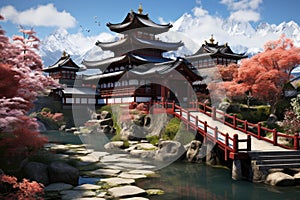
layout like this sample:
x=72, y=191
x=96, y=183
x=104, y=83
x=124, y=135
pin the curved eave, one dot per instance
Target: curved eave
x=103, y=76
x=215, y=54
x=165, y=68
x=61, y=64
x=132, y=43
x=138, y=21
x=102, y=64
x=120, y=60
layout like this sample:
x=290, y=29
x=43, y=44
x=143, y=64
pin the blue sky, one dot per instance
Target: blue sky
x=90, y=16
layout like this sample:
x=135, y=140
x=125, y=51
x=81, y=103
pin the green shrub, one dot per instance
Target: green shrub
x=48, y=110
x=171, y=129
x=153, y=139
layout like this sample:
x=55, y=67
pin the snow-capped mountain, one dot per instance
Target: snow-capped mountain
x=77, y=45
x=191, y=29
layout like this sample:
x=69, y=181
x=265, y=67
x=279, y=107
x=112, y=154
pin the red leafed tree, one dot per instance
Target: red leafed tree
x=21, y=80
x=264, y=75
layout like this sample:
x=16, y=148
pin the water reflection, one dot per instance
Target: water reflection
x=187, y=181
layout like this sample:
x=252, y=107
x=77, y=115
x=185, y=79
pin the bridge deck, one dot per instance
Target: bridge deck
x=256, y=145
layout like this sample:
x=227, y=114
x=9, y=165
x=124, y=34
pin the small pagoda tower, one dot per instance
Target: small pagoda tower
x=211, y=54
x=64, y=70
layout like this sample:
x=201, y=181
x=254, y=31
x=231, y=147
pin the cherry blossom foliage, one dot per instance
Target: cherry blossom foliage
x=21, y=80
x=264, y=75
x=20, y=190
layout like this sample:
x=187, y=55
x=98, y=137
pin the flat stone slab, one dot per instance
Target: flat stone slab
x=105, y=172
x=126, y=191
x=56, y=187
x=112, y=158
x=88, y=158
x=132, y=166
x=87, y=187
x=135, y=198
x=144, y=172
x=132, y=176
x=91, y=198
x=118, y=181
x=76, y=194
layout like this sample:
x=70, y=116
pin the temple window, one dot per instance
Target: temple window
x=133, y=82
x=122, y=68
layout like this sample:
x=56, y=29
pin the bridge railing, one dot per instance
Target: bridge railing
x=211, y=133
x=255, y=130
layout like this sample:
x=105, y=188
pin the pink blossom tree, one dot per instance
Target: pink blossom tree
x=21, y=81
x=264, y=75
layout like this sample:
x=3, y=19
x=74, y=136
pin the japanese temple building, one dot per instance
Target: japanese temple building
x=64, y=70
x=138, y=71
x=211, y=54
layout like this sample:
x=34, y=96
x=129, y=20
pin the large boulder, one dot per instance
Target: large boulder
x=280, y=179
x=37, y=171
x=62, y=172
x=193, y=151
x=169, y=151
x=133, y=132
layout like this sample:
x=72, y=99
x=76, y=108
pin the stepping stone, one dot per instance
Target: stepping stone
x=126, y=191
x=132, y=166
x=135, y=198
x=112, y=158
x=101, y=194
x=56, y=187
x=105, y=172
x=87, y=187
x=76, y=194
x=132, y=176
x=89, y=158
x=155, y=192
x=91, y=198
x=144, y=172
x=118, y=181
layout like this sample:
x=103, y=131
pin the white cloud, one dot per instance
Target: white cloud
x=199, y=11
x=242, y=4
x=245, y=16
x=243, y=10
x=43, y=15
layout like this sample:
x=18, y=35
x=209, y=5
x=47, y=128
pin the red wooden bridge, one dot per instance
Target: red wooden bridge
x=236, y=137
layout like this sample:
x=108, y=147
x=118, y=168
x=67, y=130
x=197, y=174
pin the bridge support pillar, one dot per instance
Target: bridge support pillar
x=236, y=170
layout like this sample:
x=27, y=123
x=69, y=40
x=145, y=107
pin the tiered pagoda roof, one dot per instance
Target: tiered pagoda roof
x=129, y=44
x=65, y=62
x=139, y=45
x=124, y=60
x=135, y=20
x=215, y=50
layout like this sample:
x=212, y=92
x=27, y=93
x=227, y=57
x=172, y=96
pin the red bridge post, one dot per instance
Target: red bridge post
x=274, y=137
x=234, y=121
x=258, y=130
x=213, y=114
x=235, y=143
x=248, y=142
x=296, y=141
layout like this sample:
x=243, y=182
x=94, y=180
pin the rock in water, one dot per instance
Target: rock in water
x=37, y=171
x=62, y=172
x=169, y=151
x=193, y=150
